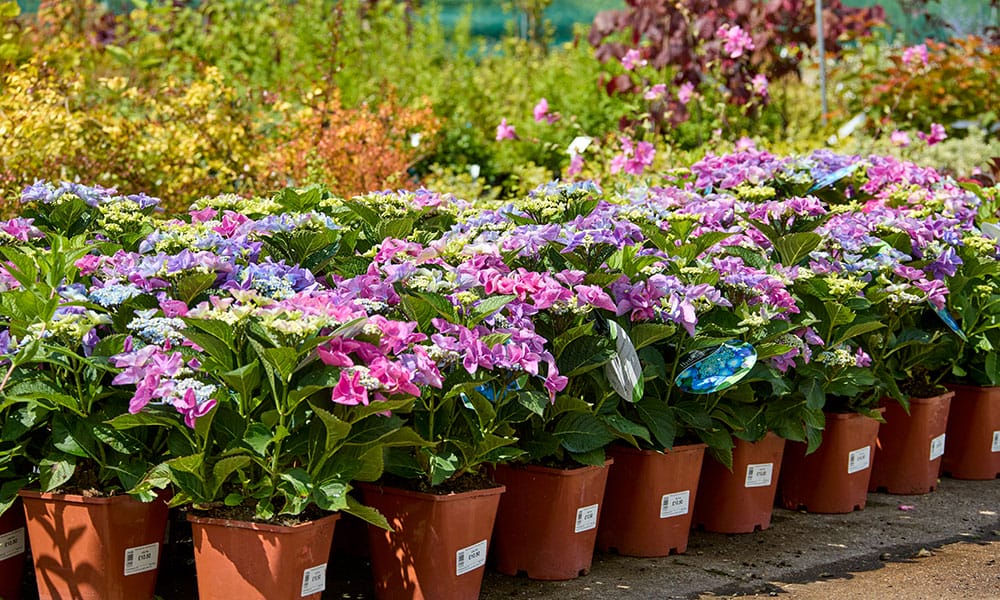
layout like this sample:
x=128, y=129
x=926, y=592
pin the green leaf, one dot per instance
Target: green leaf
x=54, y=473
x=588, y=353
x=582, y=432
x=397, y=228
x=857, y=329
x=442, y=467
x=222, y=470
x=534, y=401
x=646, y=334
x=331, y=495
x=72, y=436
x=487, y=306
x=659, y=419
x=190, y=286
x=257, y=438
x=366, y=514
x=622, y=425
x=793, y=247
x=336, y=429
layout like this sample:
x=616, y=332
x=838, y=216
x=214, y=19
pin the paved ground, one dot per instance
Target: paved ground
x=802, y=548
x=881, y=552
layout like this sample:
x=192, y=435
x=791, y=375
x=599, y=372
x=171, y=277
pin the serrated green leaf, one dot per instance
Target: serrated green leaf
x=582, y=432
x=793, y=247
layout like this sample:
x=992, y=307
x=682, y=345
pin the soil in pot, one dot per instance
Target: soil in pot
x=741, y=500
x=94, y=548
x=547, y=521
x=973, y=434
x=834, y=478
x=910, y=446
x=649, y=500
x=437, y=549
x=261, y=561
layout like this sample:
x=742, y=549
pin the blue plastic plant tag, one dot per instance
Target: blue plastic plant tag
x=832, y=178
x=715, y=369
x=490, y=392
x=950, y=322
x=624, y=370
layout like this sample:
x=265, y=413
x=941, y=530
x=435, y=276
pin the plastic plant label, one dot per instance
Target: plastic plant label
x=859, y=460
x=313, y=580
x=675, y=505
x=996, y=441
x=718, y=368
x=12, y=544
x=759, y=475
x=141, y=559
x=937, y=447
x=586, y=518
x=470, y=558
x=832, y=178
x=624, y=371
x=990, y=230
x=949, y=320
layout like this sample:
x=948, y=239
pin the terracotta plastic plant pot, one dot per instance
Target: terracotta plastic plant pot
x=13, y=542
x=649, y=499
x=437, y=549
x=973, y=450
x=910, y=446
x=741, y=500
x=834, y=478
x=248, y=560
x=547, y=521
x=94, y=548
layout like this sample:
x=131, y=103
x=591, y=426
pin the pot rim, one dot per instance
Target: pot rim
x=557, y=471
x=78, y=498
x=255, y=526
x=679, y=449
x=451, y=497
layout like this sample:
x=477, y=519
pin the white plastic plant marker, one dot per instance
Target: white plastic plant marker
x=859, y=460
x=624, y=371
x=675, y=505
x=12, y=544
x=990, y=230
x=470, y=558
x=586, y=518
x=313, y=580
x=996, y=441
x=937, y=447
x=759, y=475
x=141, y=558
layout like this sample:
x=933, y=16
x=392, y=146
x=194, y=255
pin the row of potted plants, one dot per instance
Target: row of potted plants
x=260, y=358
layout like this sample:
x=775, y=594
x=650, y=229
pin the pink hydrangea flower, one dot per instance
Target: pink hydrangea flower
x=685, y=92
x=936, y=135
x=900, y=139
x=632, y=59
x=505, y=131
x=759, y=83
x=541, y=112
x=735, y=40
x=919, y=51
x=575, y=165
x=656, y=92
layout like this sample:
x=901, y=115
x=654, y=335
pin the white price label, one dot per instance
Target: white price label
x=996, y=441
x=937, y=447
x=859, y=460
x=141, y=559
x=12, y=544
x=470, y=558
x=314, y=580
x=586, y=518
x=759, y=475
x=675, y=505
